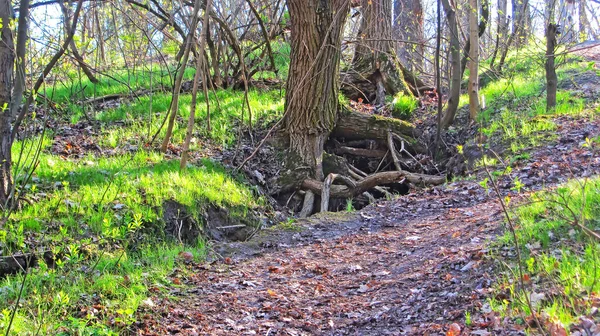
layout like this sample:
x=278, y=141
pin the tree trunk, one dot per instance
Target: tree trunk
x=551, y=79
x=375, y=64
x=474, y=59
x=483, y=20
x=311, y=101
x=186, y=47
x=502, y=29
x=408, y=27
x=454, y=95
x=567, y=22
x=7, y=62
x=78, y=58
x=199, y=75
x=521, y=21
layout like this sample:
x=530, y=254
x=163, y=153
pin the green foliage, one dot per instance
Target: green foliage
x=403, y=106
x=89, y=212
x=560, y=259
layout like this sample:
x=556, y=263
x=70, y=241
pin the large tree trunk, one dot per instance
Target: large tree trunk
x=7, y=63
x=375, y=69
x=408, y=28
x=311, y=102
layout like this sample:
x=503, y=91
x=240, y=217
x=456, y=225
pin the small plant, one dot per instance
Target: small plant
x=403, y=106
x=349, y=205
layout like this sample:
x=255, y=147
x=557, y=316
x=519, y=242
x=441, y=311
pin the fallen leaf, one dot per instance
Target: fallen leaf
x=454, y=330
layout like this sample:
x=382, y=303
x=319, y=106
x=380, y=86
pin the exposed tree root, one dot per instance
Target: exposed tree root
x=369, y=182
x=327, y=186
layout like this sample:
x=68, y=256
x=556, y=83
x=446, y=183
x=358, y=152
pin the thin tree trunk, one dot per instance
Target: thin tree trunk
x=197, y=77
x=311, y=103
x=512, y=36
x=438, y=77
x=7, y=61
x=474, y=60
x=179, y=79
x=502, y=28
x=584, y=23
x=551, y=79
x=483, y=20
x=78, y=58
x=454, y=95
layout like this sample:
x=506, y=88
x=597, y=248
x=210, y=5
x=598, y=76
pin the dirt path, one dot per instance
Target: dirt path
x=411, y=266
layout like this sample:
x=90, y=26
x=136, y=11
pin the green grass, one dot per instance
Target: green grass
x=515, y=109
x=403, y=106
x=560, y=260
x=103, y=217
x=145, y=115
x=72, y=87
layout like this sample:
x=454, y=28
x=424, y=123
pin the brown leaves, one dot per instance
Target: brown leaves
x=454, y=330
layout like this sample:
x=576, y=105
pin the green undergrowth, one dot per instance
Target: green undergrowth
x=403, y=106
x=560, y=261
x=144, y=116
x=514, y=109
x=102, y=217
x=76, y=87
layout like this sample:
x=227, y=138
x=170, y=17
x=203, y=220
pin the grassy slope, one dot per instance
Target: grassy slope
x=102, y=213
x=559, y=259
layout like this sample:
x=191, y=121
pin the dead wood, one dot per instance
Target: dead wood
x=307, y=206
x=325, y=192
x=21, y=262
x=353, y=125
x=364, y=152
x=369, y=182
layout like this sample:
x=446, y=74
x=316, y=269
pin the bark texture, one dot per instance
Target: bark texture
x=521, y=21
x=7, y=62
x=408, y=28
x=474, y=59
x=551, y=78
x=456, y=75
x=375, y=68
x=313, y=84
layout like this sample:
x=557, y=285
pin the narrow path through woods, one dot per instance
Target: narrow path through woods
x=410, y=266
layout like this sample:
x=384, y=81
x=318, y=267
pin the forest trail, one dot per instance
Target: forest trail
x=411, y=266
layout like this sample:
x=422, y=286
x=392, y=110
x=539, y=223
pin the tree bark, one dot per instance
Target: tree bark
x=521, y=21
x=78, y=58
x=474, y=59
x=454, y=95
x=408, y=26
x=189, y=40
x=502, y=28
x=311, y=102
x=375, y=62
x=551, y=79
x=200, y=70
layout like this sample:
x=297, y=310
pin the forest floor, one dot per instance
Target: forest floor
x=421, y=264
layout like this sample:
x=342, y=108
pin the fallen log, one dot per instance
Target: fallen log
x=364, y=152
x=353, y=125
x=14, y=264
